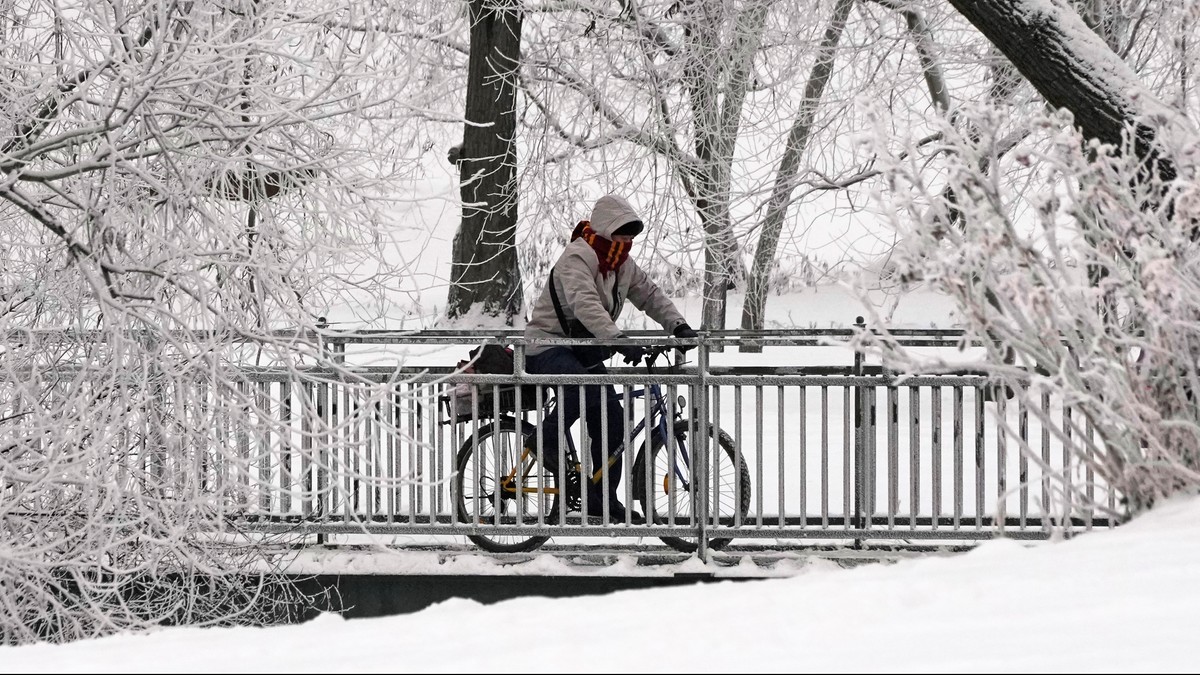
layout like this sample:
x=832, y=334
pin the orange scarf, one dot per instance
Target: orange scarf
x=611, y=254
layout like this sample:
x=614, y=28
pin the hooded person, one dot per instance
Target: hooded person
x=587, y=289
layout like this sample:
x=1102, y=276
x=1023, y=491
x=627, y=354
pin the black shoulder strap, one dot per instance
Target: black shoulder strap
x=562, y=319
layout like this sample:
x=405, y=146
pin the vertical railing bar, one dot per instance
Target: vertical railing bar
x=585, y=456
x=627, y=406
x=958, y=455
x=825, y=457
x=220, y=404
x=780, y=453
x=936, y=434
x=1110, y=490
x=737, y=454
x=759, y=481
x=262, y=404
x=1047, y=516
x=714, y=459
x=706, y=445
x=848, y=411
x=649, y=489
x=1001, y=460
x=477, y=461
x=1023, y=459
x=203, y=447
x=893, y=461
x=392, y=414
x=243, y=463
x=563, y=469
x=286, y=446
x=871, y=469
x=892, y=422
x=307, y=432
x=1090, y=475
x=914, y=456
x=498, y=444
x=322, y=493
x=605, y=507
x=437, y=437
x=1068, y=489
x=673, y=456
x=424, y=486
x=803, y=391
x=539, y=454
x=372, y=443
x=353, y=424
x=412, y=438
x=347, y=427
x=980, y=471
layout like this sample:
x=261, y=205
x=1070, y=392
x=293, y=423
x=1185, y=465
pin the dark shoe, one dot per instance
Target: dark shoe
x=616, y=510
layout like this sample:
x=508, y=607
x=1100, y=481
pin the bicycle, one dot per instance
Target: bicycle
x=529, y=494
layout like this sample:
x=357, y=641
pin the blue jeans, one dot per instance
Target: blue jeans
x=562, y=361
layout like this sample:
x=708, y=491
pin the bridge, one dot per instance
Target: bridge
x=845, y=460
x=763, y=450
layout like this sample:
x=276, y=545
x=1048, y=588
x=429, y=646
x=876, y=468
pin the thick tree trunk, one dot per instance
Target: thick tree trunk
x=718, y=78
x=484, y=270
x=1073, y=68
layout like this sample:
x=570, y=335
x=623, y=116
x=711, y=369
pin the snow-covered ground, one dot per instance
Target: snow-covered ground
x=1111, y=601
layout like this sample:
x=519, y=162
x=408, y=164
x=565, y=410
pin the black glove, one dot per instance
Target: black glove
x=633, y=354
x=685, y=332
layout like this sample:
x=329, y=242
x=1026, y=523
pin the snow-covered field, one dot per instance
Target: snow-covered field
x=1111, y=601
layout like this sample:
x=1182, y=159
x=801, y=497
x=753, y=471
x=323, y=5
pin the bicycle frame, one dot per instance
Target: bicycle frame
x=658, y=421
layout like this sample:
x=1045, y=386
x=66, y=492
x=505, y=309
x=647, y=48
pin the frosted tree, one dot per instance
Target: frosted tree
x=187, y=189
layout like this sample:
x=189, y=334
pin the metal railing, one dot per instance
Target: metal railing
x=847, y=453
x=819, y=446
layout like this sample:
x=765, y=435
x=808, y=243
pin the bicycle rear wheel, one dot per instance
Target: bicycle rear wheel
x=497, y=482
x=673, y=499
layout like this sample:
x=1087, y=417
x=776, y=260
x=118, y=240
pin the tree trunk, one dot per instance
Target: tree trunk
x=718, y=79
x=1073, y=68
x=785, y=177
x=484, y=269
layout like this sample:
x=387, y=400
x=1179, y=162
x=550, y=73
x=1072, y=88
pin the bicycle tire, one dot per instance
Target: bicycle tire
x=733, y=496
x=474, y=486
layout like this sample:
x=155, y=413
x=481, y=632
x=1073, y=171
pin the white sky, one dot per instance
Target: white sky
x=1113, y=601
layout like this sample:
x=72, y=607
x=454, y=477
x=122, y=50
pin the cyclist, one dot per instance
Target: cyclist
x=584, y=295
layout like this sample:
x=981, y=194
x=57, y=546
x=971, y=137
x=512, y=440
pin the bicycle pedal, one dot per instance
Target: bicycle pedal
x=574, y=491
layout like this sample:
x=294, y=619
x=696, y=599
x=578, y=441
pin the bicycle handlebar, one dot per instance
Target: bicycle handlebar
x=652, y=354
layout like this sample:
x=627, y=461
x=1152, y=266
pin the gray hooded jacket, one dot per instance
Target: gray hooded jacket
x=587, y=296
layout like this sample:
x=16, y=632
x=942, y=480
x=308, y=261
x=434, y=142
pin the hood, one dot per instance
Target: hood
x=610, y=213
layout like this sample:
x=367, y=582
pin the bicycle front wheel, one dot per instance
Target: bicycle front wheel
x=499, y=483
x=672, y=498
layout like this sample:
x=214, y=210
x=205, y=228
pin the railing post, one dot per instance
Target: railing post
x=860, y=400
x=701, y=441
x=325, y=415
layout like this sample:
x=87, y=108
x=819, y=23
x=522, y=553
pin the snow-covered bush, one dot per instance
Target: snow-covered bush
x=180, y=182
x=1081, y=275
